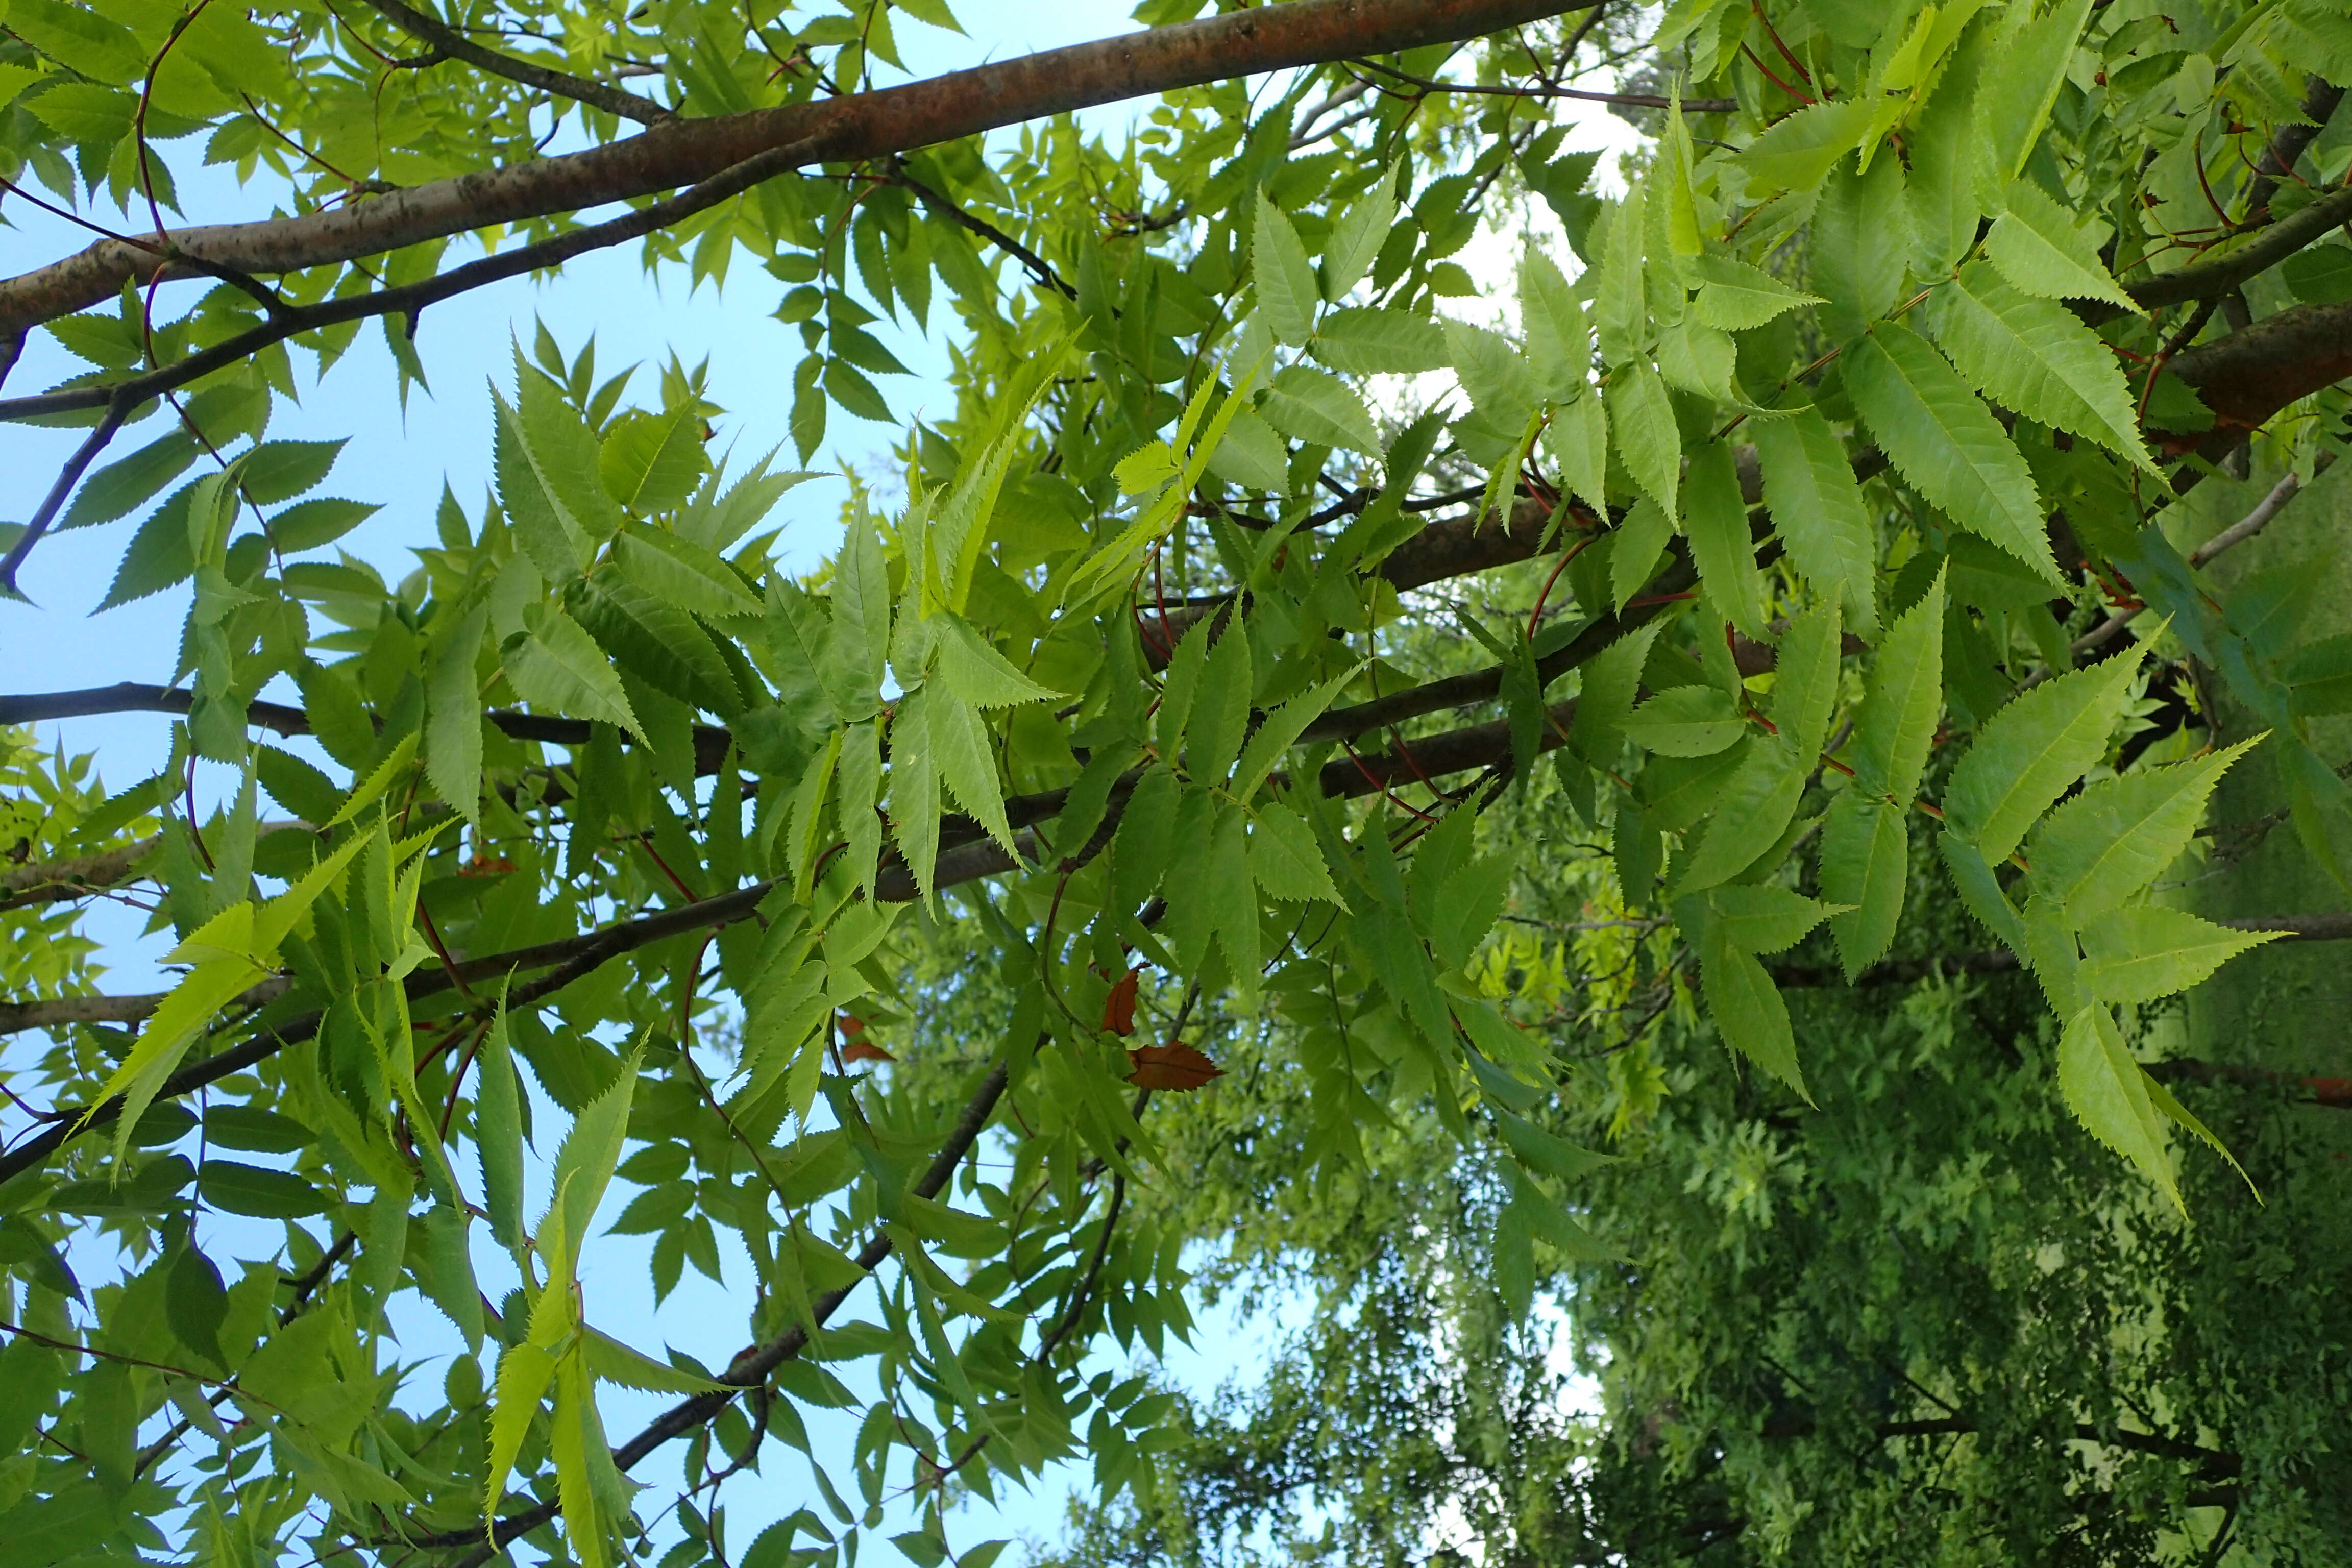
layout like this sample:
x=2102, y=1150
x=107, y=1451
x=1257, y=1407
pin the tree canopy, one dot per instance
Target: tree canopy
x=1660, y=800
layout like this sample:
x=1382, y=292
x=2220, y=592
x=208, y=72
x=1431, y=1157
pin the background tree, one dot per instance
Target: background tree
x=1814, y=468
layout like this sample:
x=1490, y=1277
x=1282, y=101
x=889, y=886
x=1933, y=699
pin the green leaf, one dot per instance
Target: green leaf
x=257, y=1191
x=1611, y=680
x=1145, y=842
x=86, y=42
x=562, y=452
x=1804, y=691
x=1981, y=892
x=317, y=522
x=159, y=556
x=2103, y=845
x=1686, y=722
x=1560, y=342
x=1283, y=278
x=2038, y=250
x=453, y=723
x=1285, y=861
x=683, y=574
x=2144, y=952
x=2107, y=1092
x=1220, y=708
x=976, y=673
x=555, y=543
x=278, y=471
x=121, y=487
x=1314, y=407
x=1797, y=152
x=1250, y=454
x=1860, y=239
x=1365, y=342
x=1896, y=725
x=1280, y=731
x=1715, y=520
x=1865, y=864
x=861, y=794
x=1356, y=240
x=1751, y=810
x=1578, y=442
x=583, y=1166
x=1620, y=314
x=2038, y=359
x=1761, y=919
x=2032, y=751
x=1640, y=542
x=857, y=648
x=614, y=1361
x=1496, y=374
x=557, y=665
x=1546, y=1153
x=1747, y=1008
x=1818, y=509
x=1946, y=443
x=650, y=463
x=1734, y=297
x=1642, y=421
x=966, y=762
x=2014, y=98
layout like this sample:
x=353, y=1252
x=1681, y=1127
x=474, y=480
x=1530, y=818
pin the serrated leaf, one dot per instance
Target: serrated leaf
x=1577, y=440
x=1685, y=722
x=498, y=1131
x=1147, y=467
x=1747, y=1008
x=1865, y=864
x=1494, y=374
x=1715, y=521
x=2014, y=100
x=1285, y=861
x=2038, y=248
x=1356, y=239
x=2038, y=358
x=1558, y=340
x=1220, y=708
x=1734, y=297
x=2144, y=952
x=2107, y=1092
x=1364, y=341
x=1896, y=725
x=1804, y=691
x=1764, y=918
x=452, y=716
x=683, y=574
x=1314, y=407
x=966, y=762
x=1818, y=510
x=1945, y=442
x=1980, y=891
x=1252, y=455
x=562, y=452
x=524, y=1373
x=2031, y=749
x=651, y=463
x=558, y=665
x=1796, y=154
x=121, y=487
x=1859, y=238
x=1639, y=543
x=2116, y=837
x=1280, y=731
x=1620, y=314
x=1641, y=422
x=583, y=1166
x=978, y=675
x=555, y=543
x=1283, y=278
x=614, y=1361
x=1751, y=810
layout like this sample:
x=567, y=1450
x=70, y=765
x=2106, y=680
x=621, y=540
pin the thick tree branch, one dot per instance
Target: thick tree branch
x=456, y=46
x=849, y=129
x=2328, y=927
x=2251, y=375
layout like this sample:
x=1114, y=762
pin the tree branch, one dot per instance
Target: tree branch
x=856, y=127
x=456, y=46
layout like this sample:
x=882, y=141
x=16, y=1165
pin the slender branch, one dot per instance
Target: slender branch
x=1621, y=99
x=2206, y=280
x=457, y=47
x=68, y=477
x=2320, y=100
x=2237, y=533
x=941, y=206
x=851, y=127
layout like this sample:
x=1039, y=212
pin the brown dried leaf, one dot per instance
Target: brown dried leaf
x=864, y=1051
x=1118, y=1007
x=1174, y=1066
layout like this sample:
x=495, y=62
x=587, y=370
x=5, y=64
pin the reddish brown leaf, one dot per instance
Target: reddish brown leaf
x=1118, y=1007
x=1174, y=1066
x=486, y=865
x=864, y=1051
x=852, y=1025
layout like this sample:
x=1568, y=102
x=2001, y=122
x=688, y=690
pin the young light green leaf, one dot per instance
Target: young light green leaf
x=2103, y=845
x=1686, y=722
x=1578, y=442
x=1751, y=811
x=1280, y=731
x=1145, y=842
x=1817, y=506
x=1896, y=725
x=857, y=649
x=2038, y=358
x=1316, y=406
x=1611, y=680
x=1620, y=314
x=1285, y=859
x=557, y=665
x=524, y=1373
x=1734, y=297
x=956, y=539
x=1860, y=242
x=1865, y=864
x=2107, y=1092
x=498, y=1131
x=1221, y=709
x=1364, y=341
x=614, y=1361
x=651, y=463
x=555, y=543
x=1642, y=420
x=1764, y=918
x=584, y=1165
x=1560, y=342
x=1945, y=442
x=2144, y=952
x=2013, y=102
x=562, y=453
x=861, y=794
x=2031, y=751
x=1284, y=277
